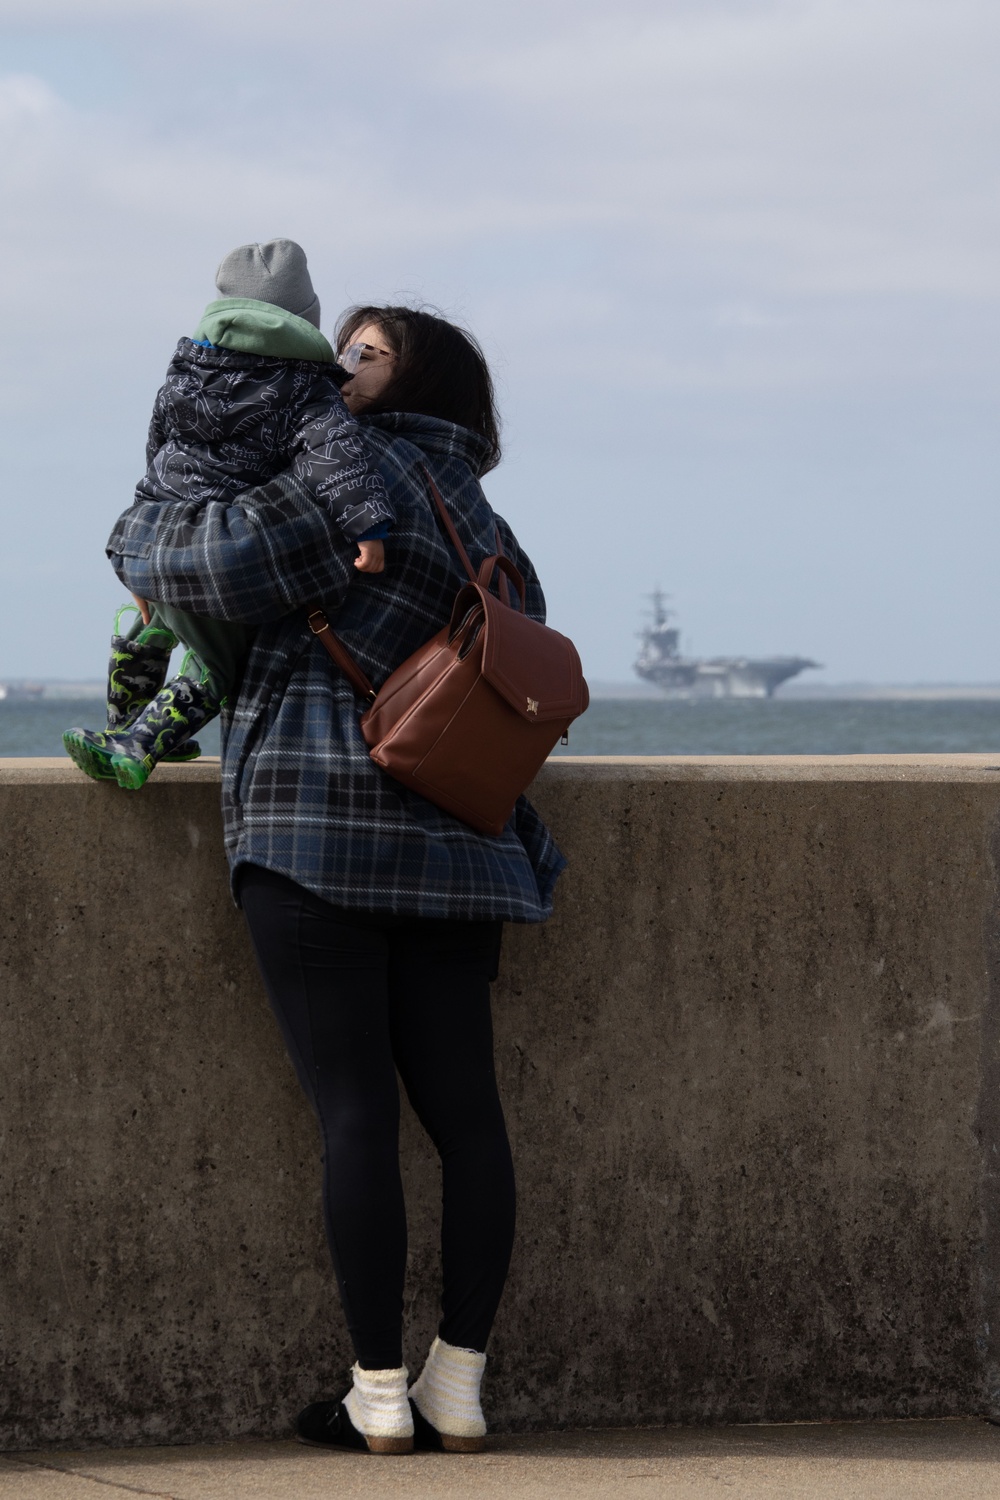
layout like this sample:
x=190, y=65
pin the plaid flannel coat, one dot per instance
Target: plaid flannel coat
x=300, y=794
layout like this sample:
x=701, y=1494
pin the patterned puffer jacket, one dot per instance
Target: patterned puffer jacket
x=225, y=421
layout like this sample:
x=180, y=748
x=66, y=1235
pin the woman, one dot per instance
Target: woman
x=375, y=916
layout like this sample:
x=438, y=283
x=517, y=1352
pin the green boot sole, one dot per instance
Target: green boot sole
x=131, y=773
x=190, y=750
x=85, y=750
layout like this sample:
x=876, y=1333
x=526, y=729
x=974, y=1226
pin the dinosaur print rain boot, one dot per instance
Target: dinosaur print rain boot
x=161, y=729
x=137, y=670
x=136, y=673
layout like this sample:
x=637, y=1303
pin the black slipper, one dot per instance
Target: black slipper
x=326, y=1424
x=427, y=1439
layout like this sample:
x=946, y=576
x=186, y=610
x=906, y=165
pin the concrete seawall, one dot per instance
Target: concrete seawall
x=751, y=1071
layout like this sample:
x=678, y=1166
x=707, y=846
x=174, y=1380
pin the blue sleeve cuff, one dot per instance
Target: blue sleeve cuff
x=375, y=533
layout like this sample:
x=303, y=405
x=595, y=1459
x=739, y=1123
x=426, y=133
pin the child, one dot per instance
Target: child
x=255, y=390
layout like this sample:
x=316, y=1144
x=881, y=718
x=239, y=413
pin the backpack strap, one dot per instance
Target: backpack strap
x=321, y=628
x=456, y=540
x=449, y=525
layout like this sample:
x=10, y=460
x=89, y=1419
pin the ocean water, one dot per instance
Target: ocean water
x=660, y=727
x=754, y=726
x=35, y=727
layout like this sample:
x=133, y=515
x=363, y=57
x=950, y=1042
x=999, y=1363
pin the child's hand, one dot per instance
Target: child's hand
x=372, y=559
x=143, y=609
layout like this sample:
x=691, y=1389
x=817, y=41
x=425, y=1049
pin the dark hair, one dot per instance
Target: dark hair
x=440, y=370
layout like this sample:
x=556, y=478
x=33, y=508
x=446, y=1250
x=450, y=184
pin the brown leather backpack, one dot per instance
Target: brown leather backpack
x=469, y=718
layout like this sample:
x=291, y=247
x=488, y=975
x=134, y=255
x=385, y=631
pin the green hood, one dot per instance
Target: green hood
x=251, y=327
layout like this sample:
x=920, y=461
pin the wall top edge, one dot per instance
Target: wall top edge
x=38, y=771
x=41, y=770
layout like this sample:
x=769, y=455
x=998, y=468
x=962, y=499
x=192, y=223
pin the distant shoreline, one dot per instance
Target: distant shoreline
x=801, y=692
x=886, y=692
x=52, y=691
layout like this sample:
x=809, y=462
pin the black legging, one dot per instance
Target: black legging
x=359, y=995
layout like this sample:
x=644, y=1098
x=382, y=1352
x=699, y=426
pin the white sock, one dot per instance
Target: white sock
x=377, y=1403
x=447, y=1392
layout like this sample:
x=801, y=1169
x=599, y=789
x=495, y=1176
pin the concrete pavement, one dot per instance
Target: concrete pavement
x=920, y=1460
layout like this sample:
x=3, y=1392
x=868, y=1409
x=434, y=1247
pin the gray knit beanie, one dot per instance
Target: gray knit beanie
x=274, y=272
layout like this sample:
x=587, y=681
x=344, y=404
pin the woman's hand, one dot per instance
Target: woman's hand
x=143, y=609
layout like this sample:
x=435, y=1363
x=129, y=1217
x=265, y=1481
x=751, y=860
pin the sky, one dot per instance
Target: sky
x=735, y=264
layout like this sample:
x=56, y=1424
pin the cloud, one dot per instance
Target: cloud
x=816, y=147
x=682, y=158
x=25, y=98
x=778, y=149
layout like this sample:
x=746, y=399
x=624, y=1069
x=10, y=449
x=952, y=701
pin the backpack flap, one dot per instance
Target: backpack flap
x=535, y=669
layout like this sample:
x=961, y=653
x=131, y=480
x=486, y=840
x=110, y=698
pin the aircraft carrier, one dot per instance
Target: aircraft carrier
x=660, y=661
